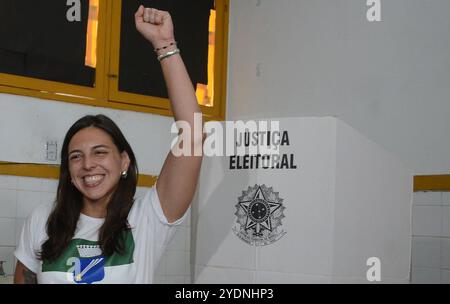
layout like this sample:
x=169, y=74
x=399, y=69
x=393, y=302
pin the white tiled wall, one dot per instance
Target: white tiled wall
x=20, y=195
x=431, y=238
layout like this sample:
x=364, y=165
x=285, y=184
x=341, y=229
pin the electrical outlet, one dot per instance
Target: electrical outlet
x=51, y=150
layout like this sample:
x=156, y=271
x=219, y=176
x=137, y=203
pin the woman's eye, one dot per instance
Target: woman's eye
x=100, y=152
x=75, y=157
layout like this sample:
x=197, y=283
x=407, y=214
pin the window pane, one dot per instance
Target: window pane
x=91, y=37
x=139, y=70
x=47, y=40
x=205, y=92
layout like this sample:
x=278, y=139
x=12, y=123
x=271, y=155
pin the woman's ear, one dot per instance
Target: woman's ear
x=125, y=161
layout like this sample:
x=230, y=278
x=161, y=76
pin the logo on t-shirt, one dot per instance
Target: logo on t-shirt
x=83, y=262
x=90, y=267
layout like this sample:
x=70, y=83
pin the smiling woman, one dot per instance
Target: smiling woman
x=96, y=165
x=95, y=231
x=98, y=179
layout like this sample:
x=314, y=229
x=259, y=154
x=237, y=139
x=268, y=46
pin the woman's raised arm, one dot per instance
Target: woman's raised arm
x=179, y=174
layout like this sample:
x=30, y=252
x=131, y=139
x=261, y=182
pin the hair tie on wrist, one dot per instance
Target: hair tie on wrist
x=166, y=46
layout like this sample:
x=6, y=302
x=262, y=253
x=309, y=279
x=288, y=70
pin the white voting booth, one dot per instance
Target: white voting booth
x=337, y=209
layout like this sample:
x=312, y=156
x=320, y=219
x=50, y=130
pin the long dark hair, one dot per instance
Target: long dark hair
x=63, y=220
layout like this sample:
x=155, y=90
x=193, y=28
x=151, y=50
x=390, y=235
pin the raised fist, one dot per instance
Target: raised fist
x=155, y=25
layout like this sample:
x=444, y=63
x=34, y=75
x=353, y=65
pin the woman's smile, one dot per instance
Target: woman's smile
x=92, y=181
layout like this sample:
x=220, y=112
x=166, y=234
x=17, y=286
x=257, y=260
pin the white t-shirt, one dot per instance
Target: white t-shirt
x=82, y=261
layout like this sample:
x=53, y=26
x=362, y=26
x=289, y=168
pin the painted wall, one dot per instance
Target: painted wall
x=389, y=79
x=27, y=123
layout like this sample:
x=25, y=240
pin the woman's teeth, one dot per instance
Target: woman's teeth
x=93, y=180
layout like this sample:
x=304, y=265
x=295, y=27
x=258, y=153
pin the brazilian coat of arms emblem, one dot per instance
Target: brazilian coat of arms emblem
x=259, y=212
